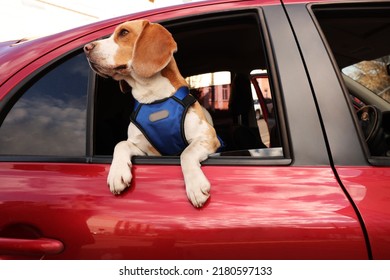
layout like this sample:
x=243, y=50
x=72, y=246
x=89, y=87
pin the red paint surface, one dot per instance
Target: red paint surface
x=370, y=189
x=253, y=213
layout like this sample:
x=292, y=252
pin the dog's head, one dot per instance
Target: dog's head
x=135, y=49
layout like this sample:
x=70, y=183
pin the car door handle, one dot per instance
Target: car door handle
x=39, y=246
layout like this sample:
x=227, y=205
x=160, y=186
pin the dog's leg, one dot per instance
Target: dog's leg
x=203, y=141
x=119, y=177
x=197, y=185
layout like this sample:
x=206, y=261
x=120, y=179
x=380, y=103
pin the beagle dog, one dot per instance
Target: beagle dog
x=140, y=54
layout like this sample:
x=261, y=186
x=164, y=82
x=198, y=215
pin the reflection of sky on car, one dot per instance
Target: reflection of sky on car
x=52, y=111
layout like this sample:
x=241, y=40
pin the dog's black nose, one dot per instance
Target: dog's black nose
x=89, y=47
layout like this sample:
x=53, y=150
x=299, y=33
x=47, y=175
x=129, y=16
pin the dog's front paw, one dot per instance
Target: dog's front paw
x=198, y=190
x=119, y=177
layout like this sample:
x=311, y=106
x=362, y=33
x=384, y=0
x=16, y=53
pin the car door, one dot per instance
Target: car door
x=363, y=173
x=272, y=202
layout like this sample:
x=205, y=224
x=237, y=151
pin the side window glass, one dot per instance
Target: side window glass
x=50, y=117
x=364, y=61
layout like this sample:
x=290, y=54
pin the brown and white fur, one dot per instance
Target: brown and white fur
x=140, y=54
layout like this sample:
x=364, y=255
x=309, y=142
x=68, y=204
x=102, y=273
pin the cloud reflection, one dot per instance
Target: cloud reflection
x=50, y=117
x=44, y=126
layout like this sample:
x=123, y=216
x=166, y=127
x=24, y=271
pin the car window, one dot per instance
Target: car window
x=219, y=55
x=357, y=36
x=49, y=119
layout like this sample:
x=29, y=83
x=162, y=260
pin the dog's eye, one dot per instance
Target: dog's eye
x=123, y=32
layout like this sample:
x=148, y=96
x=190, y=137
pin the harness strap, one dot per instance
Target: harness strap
x=158, y=121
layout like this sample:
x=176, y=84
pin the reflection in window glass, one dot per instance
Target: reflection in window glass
x=50, y=117
x=373, y=74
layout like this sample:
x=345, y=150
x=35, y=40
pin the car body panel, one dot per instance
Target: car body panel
x=369, y=189
x=249, y=216
x=368, y=186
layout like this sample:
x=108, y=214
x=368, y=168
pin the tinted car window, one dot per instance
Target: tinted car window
x=357, y=36
x=50, y=117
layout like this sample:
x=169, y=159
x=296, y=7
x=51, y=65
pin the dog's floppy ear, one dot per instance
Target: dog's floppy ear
x=153, y=50
x=124, y=86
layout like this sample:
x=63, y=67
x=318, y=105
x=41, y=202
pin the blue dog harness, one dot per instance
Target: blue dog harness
x=158, y=121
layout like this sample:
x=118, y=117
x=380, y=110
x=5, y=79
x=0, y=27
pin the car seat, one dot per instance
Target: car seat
x=245, y=131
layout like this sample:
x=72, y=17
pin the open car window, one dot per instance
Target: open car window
x=223, y=60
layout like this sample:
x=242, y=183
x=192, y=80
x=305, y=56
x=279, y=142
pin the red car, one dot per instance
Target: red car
x=309, y=180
